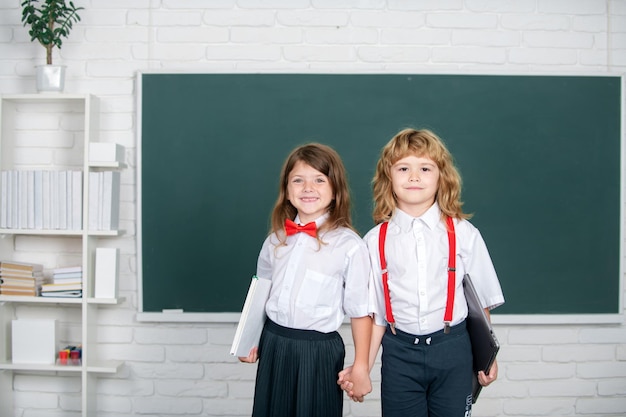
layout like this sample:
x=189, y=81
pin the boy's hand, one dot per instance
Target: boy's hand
x=355, y=381
x=486, y=379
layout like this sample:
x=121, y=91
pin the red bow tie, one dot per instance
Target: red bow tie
x=292, y=228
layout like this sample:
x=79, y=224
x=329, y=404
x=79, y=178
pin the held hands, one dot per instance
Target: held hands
x=252, y=357
x=355, y=381
x=486, y=379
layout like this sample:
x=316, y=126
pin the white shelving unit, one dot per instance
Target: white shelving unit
x=72, y=121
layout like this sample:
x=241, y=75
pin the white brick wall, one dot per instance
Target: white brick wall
x=184, y=369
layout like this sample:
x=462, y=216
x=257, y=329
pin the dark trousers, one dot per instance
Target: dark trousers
x=427, y=376
x=297, y=373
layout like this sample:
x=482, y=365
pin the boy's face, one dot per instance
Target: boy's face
x=309, y=191
x=415, y=182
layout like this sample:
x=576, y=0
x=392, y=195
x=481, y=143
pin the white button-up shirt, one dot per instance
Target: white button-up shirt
x=313, y=286
x=417, y=252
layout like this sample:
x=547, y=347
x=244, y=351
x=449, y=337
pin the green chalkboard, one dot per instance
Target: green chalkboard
x=540, y=158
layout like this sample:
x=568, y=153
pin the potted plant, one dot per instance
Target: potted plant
x=50, y=21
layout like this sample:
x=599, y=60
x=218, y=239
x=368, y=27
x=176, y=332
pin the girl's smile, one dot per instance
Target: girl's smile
x=309, y=191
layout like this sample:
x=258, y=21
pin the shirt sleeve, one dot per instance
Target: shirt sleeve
x=357, y=275
x=479, y=266
x=264, y=262
x=376, y=298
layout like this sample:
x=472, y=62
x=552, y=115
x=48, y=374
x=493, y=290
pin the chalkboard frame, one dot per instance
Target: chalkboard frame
x=174, y=314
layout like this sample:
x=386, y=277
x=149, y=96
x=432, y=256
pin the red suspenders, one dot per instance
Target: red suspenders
x=447, y=317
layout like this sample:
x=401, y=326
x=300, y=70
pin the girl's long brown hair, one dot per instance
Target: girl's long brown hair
x=327, y=161
x=421, y=143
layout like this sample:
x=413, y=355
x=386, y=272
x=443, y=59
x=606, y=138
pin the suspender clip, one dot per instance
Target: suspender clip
x=446, y=327
x=392, y=326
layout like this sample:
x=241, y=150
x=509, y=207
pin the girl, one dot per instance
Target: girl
x=319, y=269
x=426, y=358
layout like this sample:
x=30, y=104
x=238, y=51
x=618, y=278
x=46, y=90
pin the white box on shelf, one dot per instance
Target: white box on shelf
x=106, y=152
x=34, y=341
x=106, y=276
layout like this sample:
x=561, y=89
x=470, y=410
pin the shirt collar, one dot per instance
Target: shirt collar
x=318, y=222
x=430, y=218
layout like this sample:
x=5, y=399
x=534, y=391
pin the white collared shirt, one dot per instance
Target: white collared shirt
x=314, y=287
x=417, y=252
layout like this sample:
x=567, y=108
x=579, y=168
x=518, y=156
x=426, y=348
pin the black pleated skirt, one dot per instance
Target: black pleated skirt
x=297, y=373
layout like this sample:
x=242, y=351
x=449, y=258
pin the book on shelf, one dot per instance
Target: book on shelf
x=67, y=274
x=38, y=199
x=252, y=318
x=20, y=266
x=110, y=202
x=67, y=277
x=14, y=200
x=77, y=200
x=29, y=292
x=23, y=282
x=4, y=200
x=62, y=287
x=19, y=273
x=63, y=294
x=67, y=269
x=94, y=191
x=19, y=287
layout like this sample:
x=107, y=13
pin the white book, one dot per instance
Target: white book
x=15, y=195
x=100, y=198
x=46, y=200
x=105, y=152
x=94, y=191
x=30, y=199
x=38, y=199
x=4, y=199
x=34, y=341
x=54, y=200
x=106, y=272
x=77, y=200
x=68, y=200
x=23, y=199
x=252, y=318
x=110, y=200
x=62, y=213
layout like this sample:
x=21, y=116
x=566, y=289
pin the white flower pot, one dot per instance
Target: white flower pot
x=50, y=78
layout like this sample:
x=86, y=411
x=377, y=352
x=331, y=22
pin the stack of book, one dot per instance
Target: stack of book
x=65, y=282
x=20, y=278
x=41, y=199
x=104, y=200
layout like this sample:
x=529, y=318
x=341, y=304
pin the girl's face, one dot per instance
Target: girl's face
x=415, y=181
x=309, y=191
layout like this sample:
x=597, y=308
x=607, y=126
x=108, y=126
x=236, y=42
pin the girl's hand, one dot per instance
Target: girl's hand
x=344, y=379
x=361, y=383
x=486, y=379
x=252, y=357
x=351, y=377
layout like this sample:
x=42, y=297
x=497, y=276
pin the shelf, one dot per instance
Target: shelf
x=42, y=300
x=58, y=232
x=108, y=367
x=59, y=300
x=19, y=118
x=101, y=301
x=44, y=97
x=108, y=165
x=39, y=367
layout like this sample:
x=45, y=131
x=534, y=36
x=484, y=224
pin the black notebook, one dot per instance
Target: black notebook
x=485, y=345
